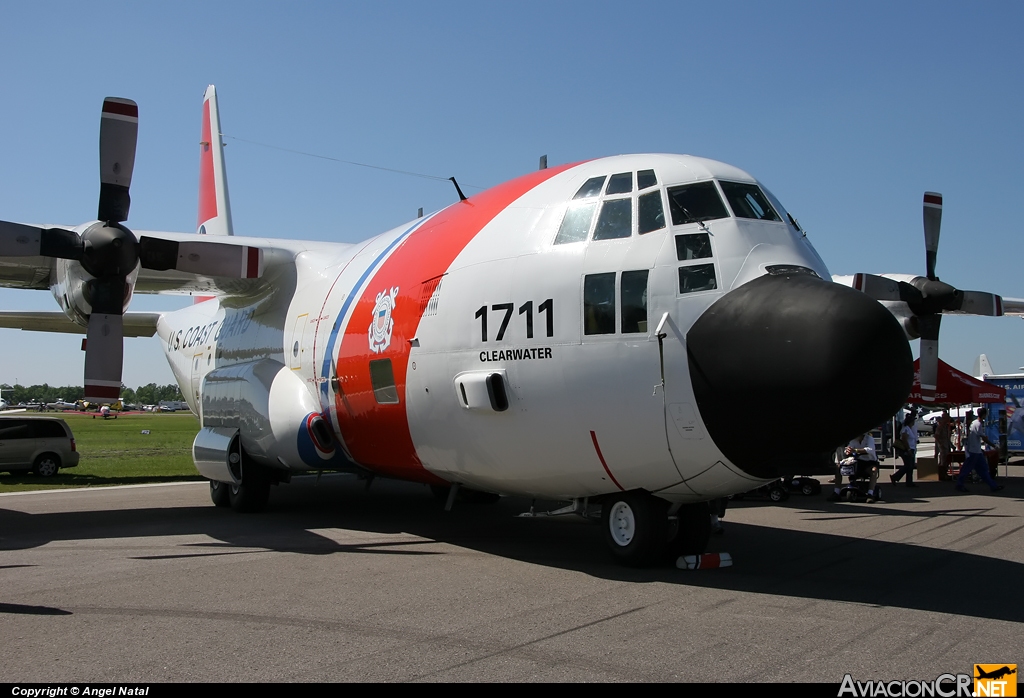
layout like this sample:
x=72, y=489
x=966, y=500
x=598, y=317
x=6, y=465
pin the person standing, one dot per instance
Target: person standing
x=974, y=457
x=943, y=439
x=908, y=434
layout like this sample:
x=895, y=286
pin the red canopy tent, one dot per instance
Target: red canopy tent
x=955, y=387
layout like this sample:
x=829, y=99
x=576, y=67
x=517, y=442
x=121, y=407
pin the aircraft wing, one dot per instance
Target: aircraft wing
x=185, y=263
x=1013, y=306
x=29, y=271
x=135, y=324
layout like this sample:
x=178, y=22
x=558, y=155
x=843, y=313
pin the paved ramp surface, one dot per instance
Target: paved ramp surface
x=336, y=583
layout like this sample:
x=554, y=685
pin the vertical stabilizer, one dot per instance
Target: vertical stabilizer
x=982, y=367
x=214, y=208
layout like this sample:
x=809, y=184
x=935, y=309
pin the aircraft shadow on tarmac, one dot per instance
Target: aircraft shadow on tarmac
x=768, y=560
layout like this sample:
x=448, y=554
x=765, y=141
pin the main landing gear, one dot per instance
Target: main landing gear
x=250, y=494
x=640, y=531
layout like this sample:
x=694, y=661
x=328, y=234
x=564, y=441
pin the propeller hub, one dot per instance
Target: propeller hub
x=110, y=250
x=936, y=296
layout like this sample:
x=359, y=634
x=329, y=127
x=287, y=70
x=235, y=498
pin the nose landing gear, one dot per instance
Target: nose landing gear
x=639, y=530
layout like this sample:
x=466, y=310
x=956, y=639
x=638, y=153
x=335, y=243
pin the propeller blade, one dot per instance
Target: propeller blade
x=119, y=130
x=203, y=258
x=929, y=327
x=981, y=303
x=17, y=240
x=877, y=287
x=104, y=353
x=932, y=222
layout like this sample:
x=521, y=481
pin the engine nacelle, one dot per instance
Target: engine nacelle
x=278, y=421
x=74, y=289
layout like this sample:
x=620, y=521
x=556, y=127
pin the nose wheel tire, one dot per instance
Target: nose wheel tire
x=220, y=493
x=635, y=527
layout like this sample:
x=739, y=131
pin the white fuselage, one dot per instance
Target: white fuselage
x=393, y=340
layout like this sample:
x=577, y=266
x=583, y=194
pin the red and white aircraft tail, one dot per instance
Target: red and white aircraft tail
x=214, y=206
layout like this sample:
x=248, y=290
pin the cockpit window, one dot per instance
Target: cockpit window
x=645, y=178
x=616, y=220
x=748, y=201
x=695, y=246
x=620, y=183
x=691, y=203
x=592, y=187
x=633, y=299
x=698, y=277
x=650, y=212
x=576, y=223
x=599, y=303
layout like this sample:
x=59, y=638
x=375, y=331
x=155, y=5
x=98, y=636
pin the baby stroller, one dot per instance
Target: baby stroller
x=858, y=473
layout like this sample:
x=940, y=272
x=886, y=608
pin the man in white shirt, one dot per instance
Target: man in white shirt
x=860, y=453
x=974, y=456
x=908, y=435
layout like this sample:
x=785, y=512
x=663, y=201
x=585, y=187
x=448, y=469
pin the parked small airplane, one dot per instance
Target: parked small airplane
x=582, y=333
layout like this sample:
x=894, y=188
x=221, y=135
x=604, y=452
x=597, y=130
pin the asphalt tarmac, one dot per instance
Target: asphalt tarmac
x=339, y=583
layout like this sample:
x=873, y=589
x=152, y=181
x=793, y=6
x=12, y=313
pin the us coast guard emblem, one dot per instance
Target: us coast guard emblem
x=382, y=324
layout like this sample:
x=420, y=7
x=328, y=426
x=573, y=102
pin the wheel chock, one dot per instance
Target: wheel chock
x=707, y=561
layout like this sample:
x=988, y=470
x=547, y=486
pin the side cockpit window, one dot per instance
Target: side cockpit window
x=748, y=201
x=698, y=277
x=599, y=309
x=693, y=246
x=599, y=303
x=633, y=300
x=695, y=277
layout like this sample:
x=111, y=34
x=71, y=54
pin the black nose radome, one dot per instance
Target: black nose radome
x=787, y=368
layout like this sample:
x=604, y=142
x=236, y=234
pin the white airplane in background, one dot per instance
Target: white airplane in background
x=588, y=332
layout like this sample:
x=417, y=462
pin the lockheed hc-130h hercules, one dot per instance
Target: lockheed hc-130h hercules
x=583, y=332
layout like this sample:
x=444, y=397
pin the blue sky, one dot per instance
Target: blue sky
x=847, y=112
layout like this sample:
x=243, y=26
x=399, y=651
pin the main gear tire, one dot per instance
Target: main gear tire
x=252, y=493
x=220, y=493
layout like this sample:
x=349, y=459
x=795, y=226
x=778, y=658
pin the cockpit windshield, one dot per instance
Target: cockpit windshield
x=691, y=203
x=748, y=201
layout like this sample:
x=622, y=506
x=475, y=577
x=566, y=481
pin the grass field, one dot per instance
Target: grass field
x=117, y=452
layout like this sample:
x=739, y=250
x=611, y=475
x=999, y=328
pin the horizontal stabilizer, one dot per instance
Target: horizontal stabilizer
x=135, y=324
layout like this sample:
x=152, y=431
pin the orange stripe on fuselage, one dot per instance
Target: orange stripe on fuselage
x=378, y=435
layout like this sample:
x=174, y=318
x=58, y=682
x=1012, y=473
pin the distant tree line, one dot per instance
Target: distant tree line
x=143, y=395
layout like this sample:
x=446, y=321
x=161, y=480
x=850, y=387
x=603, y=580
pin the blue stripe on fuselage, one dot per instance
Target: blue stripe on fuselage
x=329, y=353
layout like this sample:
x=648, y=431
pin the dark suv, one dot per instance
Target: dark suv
x=43, y=445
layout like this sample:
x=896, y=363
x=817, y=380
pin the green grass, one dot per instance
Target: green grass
x=116, y=452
